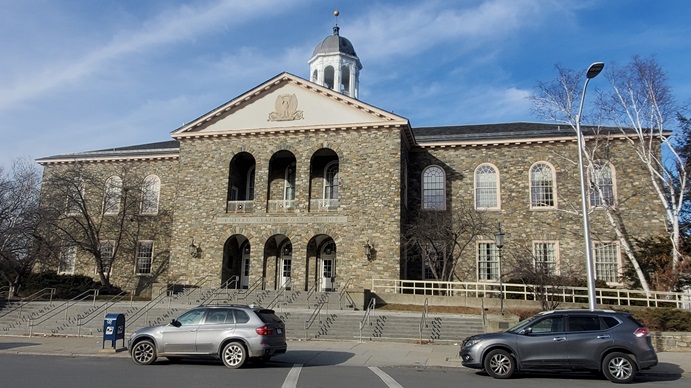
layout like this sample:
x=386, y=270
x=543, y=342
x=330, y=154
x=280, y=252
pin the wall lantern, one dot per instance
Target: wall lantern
x=330, y=248
x=247, y=248
x=195, y=249
x=288, y=249
x=368, y=248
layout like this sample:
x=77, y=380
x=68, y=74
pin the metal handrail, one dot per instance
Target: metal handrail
x=423, y=318
x=310, y=292
x=323, y=299
x=245, y=293
x=25, y=301
x=63, y=307
x=145, y=309
x=213, y=296
x=519, y=291
x=197, y=286
x=82, y=320
x=371, y=306
x=343, y=294
x=281, y=293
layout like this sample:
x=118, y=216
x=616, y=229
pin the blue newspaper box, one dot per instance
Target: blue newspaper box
x=114, y=329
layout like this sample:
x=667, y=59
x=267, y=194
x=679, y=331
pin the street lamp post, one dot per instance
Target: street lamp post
x=499, y=242
x=593, y=71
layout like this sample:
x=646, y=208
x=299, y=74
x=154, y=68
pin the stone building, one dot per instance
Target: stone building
x=297, y=183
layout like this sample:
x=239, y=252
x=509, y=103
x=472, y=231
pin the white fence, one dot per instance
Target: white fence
x=604, y=296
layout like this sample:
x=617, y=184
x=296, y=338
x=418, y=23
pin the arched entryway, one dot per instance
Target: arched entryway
x=321, y=263
x=236, y=262
x=278, y=262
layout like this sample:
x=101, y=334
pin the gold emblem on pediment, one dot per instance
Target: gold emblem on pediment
x=286, y=109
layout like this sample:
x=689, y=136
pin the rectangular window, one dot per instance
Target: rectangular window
x=145, y=256
x=607, y=262
x=545, y=254
x=487, y=262
x=68, y=258
x=107, y=249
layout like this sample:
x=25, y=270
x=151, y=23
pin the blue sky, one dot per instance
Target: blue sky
x=79, y=75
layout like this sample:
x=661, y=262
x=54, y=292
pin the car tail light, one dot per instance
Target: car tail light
x=641, y=331
x=264, y=330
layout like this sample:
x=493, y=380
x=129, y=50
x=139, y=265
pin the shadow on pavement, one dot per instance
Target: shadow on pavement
x=12, y=345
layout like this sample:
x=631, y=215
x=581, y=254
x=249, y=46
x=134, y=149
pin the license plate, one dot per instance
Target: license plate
x=279, y=331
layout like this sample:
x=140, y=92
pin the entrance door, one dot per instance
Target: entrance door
x=245, y=271
x=286, y=262
x=327, y=274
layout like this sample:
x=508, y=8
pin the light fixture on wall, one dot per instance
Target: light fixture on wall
x=247, y=248
x=287, y=249
x=330, y=248
x=195, y=249
x=368, y=250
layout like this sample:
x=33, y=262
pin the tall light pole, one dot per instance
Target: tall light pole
x=499, y=242
x=593, y=71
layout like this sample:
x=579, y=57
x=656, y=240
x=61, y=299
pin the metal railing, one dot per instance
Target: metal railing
x=528, y=292
x=310, y=293
x=280, y=293
x=34, y=321
x=240, y=206
x=243, y=294
x=371, y=306
x=49, y=292
x=343, y=294
x=281, y=205
x=423, y=318
x=144, y=310
x=213, y=297
x=91, y=315
x=323, y=300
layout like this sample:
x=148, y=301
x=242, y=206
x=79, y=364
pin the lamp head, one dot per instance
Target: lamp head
x=595, y=69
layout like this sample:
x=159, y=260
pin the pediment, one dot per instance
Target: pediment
x=288, y=102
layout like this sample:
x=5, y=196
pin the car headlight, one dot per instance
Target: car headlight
x=471, y=342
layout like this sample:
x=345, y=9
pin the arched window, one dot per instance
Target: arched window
x=329, y=77
x=486, y=187
x=151, y=188
x=331, y=181
x=112, y=195
x=433, y=188
x=289, y=186
x=601, y=184
x=542, y=186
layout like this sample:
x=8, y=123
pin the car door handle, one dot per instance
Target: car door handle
x=603, y=337
x=559, y=339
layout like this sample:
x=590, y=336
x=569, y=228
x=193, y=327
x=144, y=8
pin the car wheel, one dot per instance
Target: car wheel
x=234, y=355
x=619, y=368
x=144, y=352
x=499, y=364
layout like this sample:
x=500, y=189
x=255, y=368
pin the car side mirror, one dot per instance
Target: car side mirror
x=175, y=323
x=527, y=331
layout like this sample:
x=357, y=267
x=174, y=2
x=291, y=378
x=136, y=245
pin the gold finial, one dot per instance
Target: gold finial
x=336, y=13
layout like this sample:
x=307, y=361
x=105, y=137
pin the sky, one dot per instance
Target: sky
x=81, y=75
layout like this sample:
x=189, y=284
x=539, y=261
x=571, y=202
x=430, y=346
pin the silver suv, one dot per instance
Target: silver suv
x=232, y=333
x=612, y=343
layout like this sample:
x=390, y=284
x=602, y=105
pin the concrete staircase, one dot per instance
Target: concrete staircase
x=335, y=321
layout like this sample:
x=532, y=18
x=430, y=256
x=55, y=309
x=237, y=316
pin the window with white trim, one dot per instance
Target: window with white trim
x=289, y=183
x=331, y=181
x=151, y=190
x=67, y=260
x=486, y=187
x=112, y=195
x=107, y=249
x=433, y=188
x=545, y=255
x=487, y=262
x=145, y=256
x=542, y=186
x=607, y=261
x=601, y=184
x=75, y=197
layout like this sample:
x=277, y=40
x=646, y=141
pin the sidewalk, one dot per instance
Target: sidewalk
x=309, y=352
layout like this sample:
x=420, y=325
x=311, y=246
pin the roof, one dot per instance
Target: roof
x=336, y=44
x=505, y=132
x=159, y=150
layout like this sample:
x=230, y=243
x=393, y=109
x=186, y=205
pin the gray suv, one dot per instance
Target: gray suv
x=232, y=333
x=612, y=343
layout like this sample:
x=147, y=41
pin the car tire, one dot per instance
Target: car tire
x=499, y=364
x=619, y=368
x=234, y=355
x=144, y=352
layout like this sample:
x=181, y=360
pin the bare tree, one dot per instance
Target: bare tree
x=442, y=237
x=96, y=212
x=20, y=246
x=640, y=107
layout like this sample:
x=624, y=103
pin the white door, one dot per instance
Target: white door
x=245, y=271
x=327, y=274
x=286, y=262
